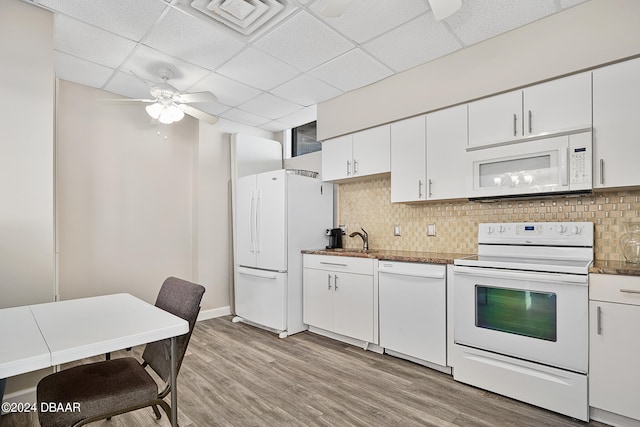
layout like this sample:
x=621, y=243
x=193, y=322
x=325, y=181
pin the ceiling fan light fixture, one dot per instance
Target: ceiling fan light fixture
x=154, y=110
x=165, y=114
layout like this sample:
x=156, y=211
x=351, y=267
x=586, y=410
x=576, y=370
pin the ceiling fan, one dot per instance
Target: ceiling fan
x=441, y=8
x=170, y=105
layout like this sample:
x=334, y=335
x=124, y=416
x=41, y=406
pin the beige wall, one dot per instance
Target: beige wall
x=590, y=34
x=27, y=258
x=135, y=207
x=367, y=204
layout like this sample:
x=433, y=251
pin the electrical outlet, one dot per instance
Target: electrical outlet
x=397, y=230
x=431, y=229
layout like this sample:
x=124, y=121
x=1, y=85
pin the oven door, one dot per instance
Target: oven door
x=541, y=317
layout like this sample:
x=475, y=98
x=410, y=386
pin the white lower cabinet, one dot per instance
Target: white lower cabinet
x=614, y=345
x=412, y=300
x=338, y=295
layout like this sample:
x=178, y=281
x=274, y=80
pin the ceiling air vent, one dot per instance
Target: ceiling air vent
x=244, y=16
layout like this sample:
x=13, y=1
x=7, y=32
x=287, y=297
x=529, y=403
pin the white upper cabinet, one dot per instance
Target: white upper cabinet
x=409, y=160
x=357, y=155
x=557, y=106
x=616, y=125
x=447, y=174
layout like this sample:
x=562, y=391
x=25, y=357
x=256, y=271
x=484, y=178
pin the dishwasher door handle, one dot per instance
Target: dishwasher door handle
x=421, y=275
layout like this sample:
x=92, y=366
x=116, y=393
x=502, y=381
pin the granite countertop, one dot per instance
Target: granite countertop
x=615, y=267
x=388, y=255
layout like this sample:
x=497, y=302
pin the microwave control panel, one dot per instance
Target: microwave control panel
x=580, y=161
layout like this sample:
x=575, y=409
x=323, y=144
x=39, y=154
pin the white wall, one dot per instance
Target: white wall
x=590, y=34
x=27, y=258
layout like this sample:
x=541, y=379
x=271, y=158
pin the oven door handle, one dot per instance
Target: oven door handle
x=518, y=275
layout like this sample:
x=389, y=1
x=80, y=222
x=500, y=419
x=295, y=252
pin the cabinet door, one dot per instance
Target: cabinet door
x=245, y=206
x=337, y=158
x=558, y=105
x=614, y=346
x=447, y=174
x=408, y=160
x=371, y=151
x=317, y=298
x=616, y=125
x=271, y=233
x=353, y=306
x=495, y=119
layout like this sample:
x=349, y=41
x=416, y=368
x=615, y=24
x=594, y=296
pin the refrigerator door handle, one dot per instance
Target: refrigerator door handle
x=258, y=223
x=252, y=239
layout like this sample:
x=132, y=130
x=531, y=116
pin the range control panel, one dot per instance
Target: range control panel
x=537, y=233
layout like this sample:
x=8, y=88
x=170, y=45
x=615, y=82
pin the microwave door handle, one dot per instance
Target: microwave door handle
x=564, y=168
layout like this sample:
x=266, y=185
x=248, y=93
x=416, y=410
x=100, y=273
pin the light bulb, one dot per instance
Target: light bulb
x=154, y=110
x=165, y=116
x=176, y=113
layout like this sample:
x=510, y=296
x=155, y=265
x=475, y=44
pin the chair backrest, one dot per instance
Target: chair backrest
x=181, y=298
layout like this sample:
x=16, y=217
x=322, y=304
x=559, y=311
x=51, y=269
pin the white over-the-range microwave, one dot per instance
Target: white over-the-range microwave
x=544, y=166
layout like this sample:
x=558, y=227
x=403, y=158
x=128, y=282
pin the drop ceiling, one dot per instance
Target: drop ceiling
x=273, y=75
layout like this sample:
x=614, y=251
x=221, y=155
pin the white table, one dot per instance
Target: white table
x=59, y=332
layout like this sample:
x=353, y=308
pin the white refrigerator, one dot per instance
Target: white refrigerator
x=278, y=214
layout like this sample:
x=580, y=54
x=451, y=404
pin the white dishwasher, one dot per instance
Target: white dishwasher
x=412, y=303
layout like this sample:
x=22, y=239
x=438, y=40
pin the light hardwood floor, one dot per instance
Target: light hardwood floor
x=238, y=375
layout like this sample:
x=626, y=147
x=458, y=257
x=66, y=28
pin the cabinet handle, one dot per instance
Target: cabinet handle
x=335, y=282
x=348, y=167
x=333, y=263
x=599, y=321
x=329, y=281
x=601, y=171
x=629, y=291
x=419, y=189
x=429, y=190
x=515, y=125
x=530, y=125
x=355, y=166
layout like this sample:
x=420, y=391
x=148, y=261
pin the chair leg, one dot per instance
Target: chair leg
x=157, y=412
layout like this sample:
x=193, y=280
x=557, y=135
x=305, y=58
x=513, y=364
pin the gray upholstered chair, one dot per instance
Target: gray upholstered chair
x=112, y=387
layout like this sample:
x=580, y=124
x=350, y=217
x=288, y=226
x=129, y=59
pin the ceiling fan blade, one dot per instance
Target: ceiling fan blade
x=444, y=8
x=123, y=100
x=334, y=8
x=198, y=97
x=200, y=115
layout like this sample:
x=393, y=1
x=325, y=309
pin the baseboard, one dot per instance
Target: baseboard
x=611, y=418
x=212, y=313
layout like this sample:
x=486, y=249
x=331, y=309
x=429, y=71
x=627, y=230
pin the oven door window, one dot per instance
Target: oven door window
x=514, y=311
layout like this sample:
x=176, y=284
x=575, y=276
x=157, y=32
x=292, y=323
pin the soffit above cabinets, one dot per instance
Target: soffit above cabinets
x=269, y=62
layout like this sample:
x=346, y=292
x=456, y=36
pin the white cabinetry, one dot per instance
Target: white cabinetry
x=409, y=160
x=356, y=155
x=614, y=344
x=428, y=156
x=338, y=295
x=552, y=107
x=413, y=310
x=616, y=125
x=447, y=176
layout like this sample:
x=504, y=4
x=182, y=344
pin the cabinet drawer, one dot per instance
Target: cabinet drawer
x=614, y=288
x=339, y=263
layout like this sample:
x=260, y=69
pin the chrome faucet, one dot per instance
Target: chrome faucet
x=365, y=238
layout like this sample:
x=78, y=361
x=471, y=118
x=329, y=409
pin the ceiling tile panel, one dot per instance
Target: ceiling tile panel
x=130, y=19
x=270, y=106
x=93, y=44
x=306, y=90
x=364, y=20
x=146, y=63
x=229, y=92
x=304, y=42
x=412, y=44
x=300, y=117
x=244, y=117
x=478, y=20
x=257, y=69
x=80, y=71
x=352, y=70
x=193, y=40
x=127, y=85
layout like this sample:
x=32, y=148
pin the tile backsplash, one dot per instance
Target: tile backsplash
x=367, y=204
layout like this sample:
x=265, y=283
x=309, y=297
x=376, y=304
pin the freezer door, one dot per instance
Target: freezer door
x=260, y=297
x=271, y=232
x=246, y=221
